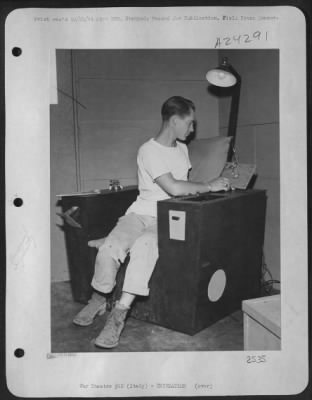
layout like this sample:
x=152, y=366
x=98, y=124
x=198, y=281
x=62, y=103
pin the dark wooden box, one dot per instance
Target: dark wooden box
x=96, y=214
x=223, y=233
x=222, y=250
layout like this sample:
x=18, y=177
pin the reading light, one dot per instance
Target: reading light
x=225, y=76
x=222, y=76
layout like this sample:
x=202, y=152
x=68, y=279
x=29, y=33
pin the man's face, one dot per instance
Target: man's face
x=184, y=125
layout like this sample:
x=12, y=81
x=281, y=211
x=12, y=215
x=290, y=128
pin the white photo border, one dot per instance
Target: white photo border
x=37, y=32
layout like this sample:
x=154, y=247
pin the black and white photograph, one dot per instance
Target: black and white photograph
x=156, y=221
x=215, y=232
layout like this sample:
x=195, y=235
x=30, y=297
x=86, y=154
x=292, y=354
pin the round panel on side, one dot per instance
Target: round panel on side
x=216, y=285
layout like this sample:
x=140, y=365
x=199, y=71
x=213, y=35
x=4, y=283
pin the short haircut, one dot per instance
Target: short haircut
x=176, y=105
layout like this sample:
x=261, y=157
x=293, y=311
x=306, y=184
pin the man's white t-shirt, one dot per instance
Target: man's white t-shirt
x=154, y=160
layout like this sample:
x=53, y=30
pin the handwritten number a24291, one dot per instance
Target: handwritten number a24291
x=239, y=39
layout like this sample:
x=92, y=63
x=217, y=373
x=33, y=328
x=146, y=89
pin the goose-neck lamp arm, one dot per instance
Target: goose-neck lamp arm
x=225, y=76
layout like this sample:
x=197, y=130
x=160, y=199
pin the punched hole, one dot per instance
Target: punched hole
x=19, y=353
x=16, y=51
x=18, y=202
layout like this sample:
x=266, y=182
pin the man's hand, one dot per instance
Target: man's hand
x=180, y=188
x=219, y=184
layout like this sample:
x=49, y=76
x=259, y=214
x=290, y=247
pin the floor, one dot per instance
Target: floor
x=226, y=334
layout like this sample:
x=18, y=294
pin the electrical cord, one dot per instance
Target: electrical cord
x=267, y=285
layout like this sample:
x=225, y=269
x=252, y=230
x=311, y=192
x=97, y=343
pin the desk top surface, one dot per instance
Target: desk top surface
x=197, y=199
x=99, y=192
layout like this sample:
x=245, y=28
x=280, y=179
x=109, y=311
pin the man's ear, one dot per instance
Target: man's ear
x=173, y=120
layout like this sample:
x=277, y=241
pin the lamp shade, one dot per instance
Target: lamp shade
x=222, y=76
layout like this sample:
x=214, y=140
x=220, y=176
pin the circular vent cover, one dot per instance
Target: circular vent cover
x=216, y=285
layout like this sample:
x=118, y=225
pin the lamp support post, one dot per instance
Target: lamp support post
x=234, y=112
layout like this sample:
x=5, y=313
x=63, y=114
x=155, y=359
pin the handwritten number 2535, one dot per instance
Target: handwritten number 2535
x=256, y=359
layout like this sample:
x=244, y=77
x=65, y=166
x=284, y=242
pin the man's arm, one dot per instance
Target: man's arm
x=176, y=187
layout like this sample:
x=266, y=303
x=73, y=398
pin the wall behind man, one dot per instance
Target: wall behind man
x=118, y=95
x=258, y=134
x=122, y=92
x=62, y=160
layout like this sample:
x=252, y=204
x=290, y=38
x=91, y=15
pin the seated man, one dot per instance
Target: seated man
x=163, y=166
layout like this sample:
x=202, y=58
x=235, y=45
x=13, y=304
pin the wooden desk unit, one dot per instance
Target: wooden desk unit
x=210, y=253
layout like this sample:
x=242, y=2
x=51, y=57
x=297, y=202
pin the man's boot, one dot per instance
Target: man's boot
x=109, y=337
x=96, y=306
